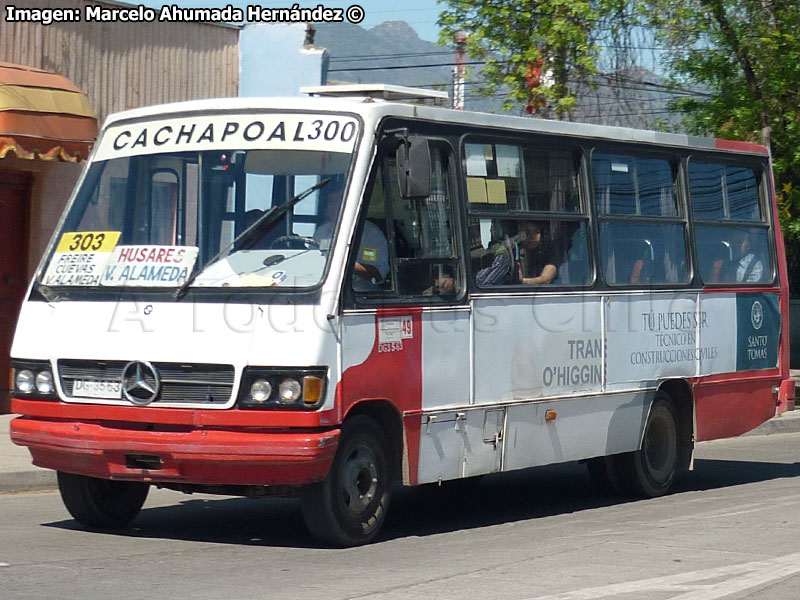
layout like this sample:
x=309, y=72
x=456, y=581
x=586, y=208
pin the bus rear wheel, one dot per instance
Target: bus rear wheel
x=650, y=471
x=604, y=476
x=349, y=506
x=101, y=502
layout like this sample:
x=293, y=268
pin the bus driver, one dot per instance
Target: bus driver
x=372, y=262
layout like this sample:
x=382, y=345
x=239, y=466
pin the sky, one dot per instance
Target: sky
x=420, y=14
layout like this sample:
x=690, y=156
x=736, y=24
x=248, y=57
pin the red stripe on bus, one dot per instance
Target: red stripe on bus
x=731, y=404
x=391, y=374
x=195, y=418
x=786, y=400
x=741, y=290
x=195, y=455
x=738, y=146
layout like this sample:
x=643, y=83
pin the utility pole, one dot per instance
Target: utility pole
x=460, y=41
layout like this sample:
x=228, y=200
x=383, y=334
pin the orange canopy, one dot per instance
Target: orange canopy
x=43, y=115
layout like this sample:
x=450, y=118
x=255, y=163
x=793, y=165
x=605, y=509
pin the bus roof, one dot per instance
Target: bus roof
x=373, y=110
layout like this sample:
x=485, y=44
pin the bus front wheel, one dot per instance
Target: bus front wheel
x=101, y=502
x=349, y=506
x=650, y=472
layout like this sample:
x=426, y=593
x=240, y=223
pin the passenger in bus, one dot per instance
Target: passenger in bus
x=537, y=264
x=750, y=267
x=501, y=268
x=444, y=284
x=524, y=258
x=372, y=262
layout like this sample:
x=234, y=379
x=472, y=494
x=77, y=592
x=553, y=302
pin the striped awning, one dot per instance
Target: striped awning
x=43, y=116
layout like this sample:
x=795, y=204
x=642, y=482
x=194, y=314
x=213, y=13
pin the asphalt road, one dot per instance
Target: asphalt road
x=730, y=531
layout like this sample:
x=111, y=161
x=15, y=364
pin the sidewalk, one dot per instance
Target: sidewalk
x=17, y=474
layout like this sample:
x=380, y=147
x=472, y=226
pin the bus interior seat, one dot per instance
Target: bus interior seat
x=574, y=270
x=642, y=269
x=719, y=254
x=631, y=261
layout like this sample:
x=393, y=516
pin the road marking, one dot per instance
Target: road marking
x=742, y=577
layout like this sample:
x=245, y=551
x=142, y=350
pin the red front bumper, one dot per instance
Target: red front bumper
x=186, y=455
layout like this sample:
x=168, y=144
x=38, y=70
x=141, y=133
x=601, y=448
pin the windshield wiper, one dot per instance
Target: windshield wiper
x=249, y=235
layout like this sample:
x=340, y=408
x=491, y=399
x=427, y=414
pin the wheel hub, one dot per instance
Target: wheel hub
x=360, y=481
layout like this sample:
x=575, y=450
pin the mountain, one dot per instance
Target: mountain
x=393, y=53
x=356, y=53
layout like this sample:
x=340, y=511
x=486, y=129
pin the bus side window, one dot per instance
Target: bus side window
x=731, y=231
x=652, y=248
x=526, y=219
x=370, y=259
x=410, y=240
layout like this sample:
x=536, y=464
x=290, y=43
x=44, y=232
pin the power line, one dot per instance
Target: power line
x=646, y=84
x=363, y=57
x=393, y=67
x=628, y=85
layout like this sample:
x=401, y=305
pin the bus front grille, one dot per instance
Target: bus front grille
x=181, y=383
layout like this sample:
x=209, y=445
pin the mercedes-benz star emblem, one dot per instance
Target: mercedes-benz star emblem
x=140, y=382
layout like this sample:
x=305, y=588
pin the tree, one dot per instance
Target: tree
x=746, y=55
x=537, y=49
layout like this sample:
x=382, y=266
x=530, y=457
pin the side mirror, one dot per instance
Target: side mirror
x=414, y=167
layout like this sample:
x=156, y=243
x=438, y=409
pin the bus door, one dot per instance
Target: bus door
x=406, y=333
x=534, y=342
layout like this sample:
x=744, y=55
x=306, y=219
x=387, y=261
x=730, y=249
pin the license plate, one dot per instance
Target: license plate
x=94, y=388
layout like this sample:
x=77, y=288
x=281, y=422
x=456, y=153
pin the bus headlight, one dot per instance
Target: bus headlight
x=44, y=382
x=260, y=391
x=32, y=379
x=289, y=391
x=267, y=388
x=25, y=381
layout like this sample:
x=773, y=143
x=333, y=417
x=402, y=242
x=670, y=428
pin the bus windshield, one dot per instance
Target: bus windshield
x=148, y=220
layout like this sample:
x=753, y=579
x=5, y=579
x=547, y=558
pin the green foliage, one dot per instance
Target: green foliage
x=746, y=54
x=518, y=38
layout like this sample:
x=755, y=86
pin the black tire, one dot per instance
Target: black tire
x=101, y=502
x=349, y=507
x=650, y=472
x=604, y=476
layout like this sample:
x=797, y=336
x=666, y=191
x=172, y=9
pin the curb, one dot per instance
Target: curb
x=40, y=480
x=788, y=422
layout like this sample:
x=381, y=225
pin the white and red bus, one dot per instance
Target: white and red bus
x=324, y=296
